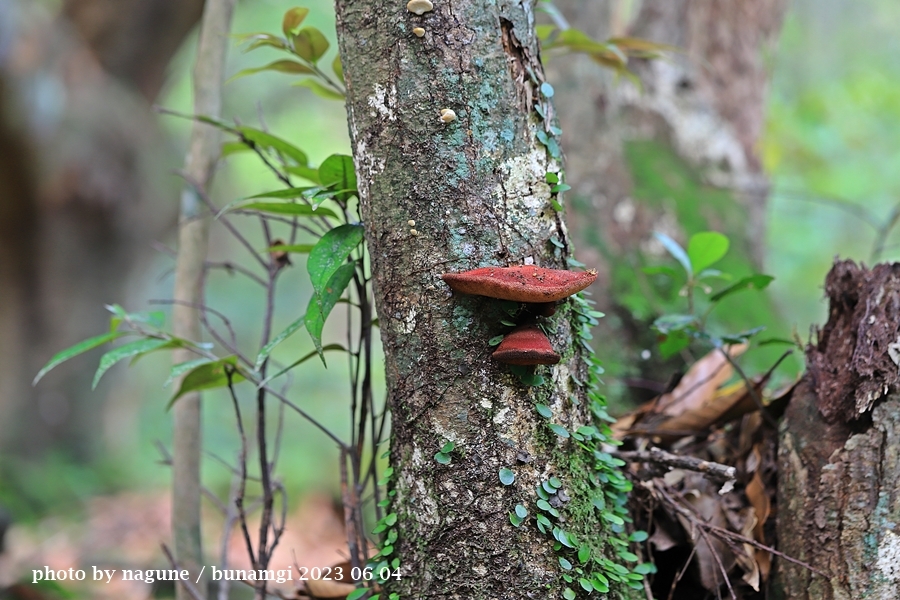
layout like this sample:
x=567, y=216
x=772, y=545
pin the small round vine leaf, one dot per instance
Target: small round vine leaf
x=555, y=482
x=638, y=536
x=559, y=430
x=448, y=447
x=569, y=594
x=521, y=511
x=543, y=410
x=565, y=564
x=515, y=519
x=507, y=476
x=442, y=458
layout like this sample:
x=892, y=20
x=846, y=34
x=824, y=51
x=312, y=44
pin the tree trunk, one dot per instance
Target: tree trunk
x=439, y=197
x=838, y=463
x=679, y=155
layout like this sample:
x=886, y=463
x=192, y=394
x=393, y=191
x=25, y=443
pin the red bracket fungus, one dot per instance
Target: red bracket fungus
x=526, y=345
x=521, y=284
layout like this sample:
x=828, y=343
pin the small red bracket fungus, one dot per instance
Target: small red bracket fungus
x=521, y=284
x=526, y=345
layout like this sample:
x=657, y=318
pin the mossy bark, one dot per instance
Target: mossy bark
x=476, y=190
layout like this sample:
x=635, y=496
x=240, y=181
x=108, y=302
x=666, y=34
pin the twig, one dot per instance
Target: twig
x=193, y=591
x=239, y=497
x=712, y=470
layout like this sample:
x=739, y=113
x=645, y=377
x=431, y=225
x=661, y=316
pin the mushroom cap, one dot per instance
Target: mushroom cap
x=526, y=345
x=521, y=284
x=419, y=6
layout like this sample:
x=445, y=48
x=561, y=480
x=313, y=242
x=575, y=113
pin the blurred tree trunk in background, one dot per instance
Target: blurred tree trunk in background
x=677, y=156
x=77, y=210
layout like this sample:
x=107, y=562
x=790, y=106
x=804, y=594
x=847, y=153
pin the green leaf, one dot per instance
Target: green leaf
x=288, y=332
x=638, y=537
x=628, y=556
x=300, y=361
x=495, y=340
x=310, y=44
x=323, y=301
x=584, y=554
x=674, y=343
x=675, y=250
x=284, y=194
x=136, y=348
x=296, y=248
x=559, y=430
x=543, y=410
x=181, y=368
x=448, y=447
x=757, y=281
x=670, y=323
x=521, y=511
x=291, y=21
x=565, y=564
x=330, y=253
x=266, y=140
x=705, y=249
x=337, y=171
x=73, y=351
x=208, y=376
x=507, y=476
x=568, y=594
x=229, y=148
x=442, y=458
x=305, y=172
x=260, y=39
x=320, y=90
x=357, y=594
x=543, y=520
x=338, y=68
x=555, y=482
x=281, y=66
x=547, y=90
x=645, y=569
x=290, y=209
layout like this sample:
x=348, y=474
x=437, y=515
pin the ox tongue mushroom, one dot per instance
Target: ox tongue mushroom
x=526, y=345
x=530, y=284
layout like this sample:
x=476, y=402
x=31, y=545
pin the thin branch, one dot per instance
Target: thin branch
x=712, y=470
x=188, y=585
x=239, y=497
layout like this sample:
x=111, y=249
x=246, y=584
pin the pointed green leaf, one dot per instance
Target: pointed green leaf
x=303, y=359
x=337, y=67
x=705, y=249
x=337, y=171
x=284, y=194
x=282, y=66
x=208, y=376
x=330, y=253
x=182, y=368
x=288, y=332
x=320, y=89
x=323, y=301
x=290, y=209
x=296, y=248
x=357, y=594
x=73, y=351
x=229, y=148
x=675, y=250
x=757, y=281
x=266, y=140
x=559, y=430
x=292, y=19
x=544, y=410
x=136, y=348
x=310, y=44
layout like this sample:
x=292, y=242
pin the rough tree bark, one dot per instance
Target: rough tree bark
x=440, y=197
x=679, y=155
x=839, y=454
x=77, y=209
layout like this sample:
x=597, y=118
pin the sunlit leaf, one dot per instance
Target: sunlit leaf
x=310, y=44
x=292, y=19
x=675, y=249
x=133, y=349
x=286, y=193
x=705, y=249
x=73, y=351
x=181, y=368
